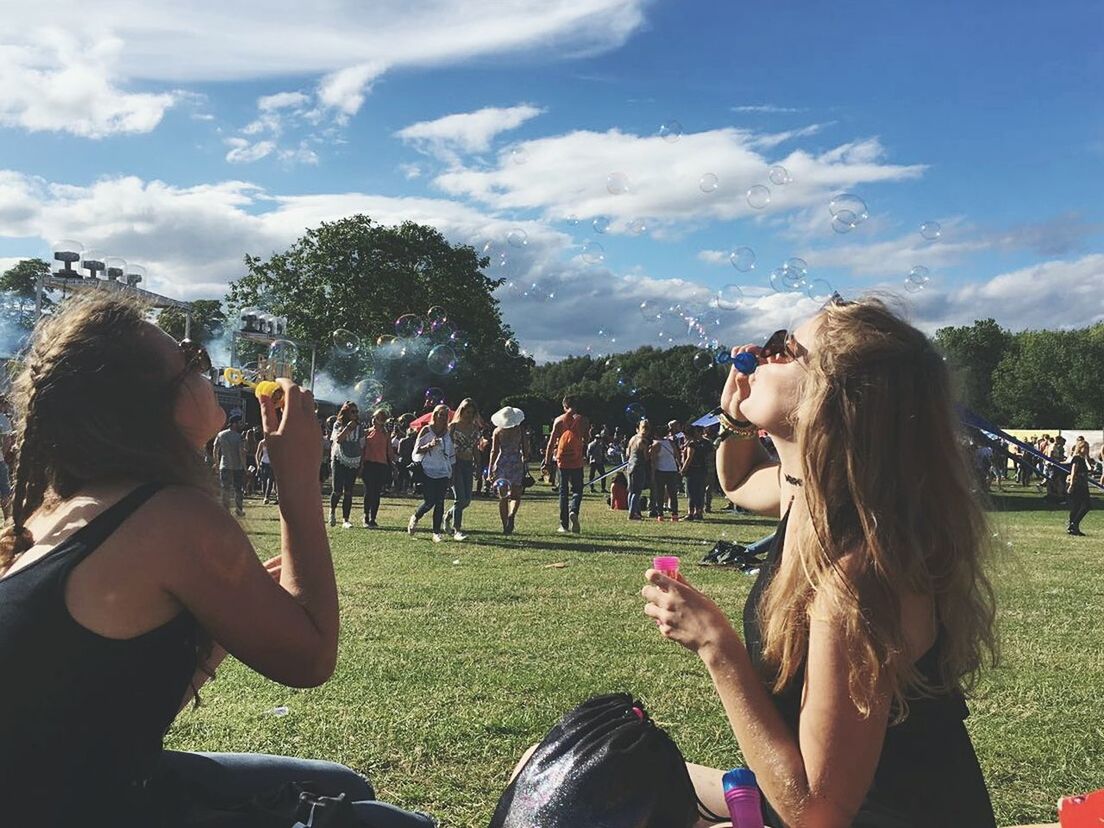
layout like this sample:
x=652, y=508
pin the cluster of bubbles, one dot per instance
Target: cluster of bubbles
x=848, y=212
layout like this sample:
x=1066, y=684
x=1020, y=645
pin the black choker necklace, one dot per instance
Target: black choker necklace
x=793, y=481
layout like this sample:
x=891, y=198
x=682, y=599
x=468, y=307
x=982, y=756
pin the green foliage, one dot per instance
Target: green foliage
x=361, y=276
x=208, y=321
x=973, y=352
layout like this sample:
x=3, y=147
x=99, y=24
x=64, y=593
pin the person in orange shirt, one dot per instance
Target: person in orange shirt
x=376, y=469
x=567, y=446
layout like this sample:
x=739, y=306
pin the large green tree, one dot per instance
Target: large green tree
x=973, y=352
x=361, y=276
x=208, y=320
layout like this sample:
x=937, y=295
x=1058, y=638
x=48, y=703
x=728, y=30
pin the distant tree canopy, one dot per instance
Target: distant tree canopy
x=208, y=321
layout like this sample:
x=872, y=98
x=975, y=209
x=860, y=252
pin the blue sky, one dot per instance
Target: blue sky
x=184, y=139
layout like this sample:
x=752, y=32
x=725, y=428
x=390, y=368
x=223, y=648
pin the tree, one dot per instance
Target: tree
x=208, y=321
x=973, y=353
x=17, y=302
x=360, y=276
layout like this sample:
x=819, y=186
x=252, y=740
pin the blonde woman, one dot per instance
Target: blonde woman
x=1078, y=486
x=864, y=629
x=464, y=431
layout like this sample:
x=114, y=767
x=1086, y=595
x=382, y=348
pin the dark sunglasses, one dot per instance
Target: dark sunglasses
x=196, y=360
x=782, y=343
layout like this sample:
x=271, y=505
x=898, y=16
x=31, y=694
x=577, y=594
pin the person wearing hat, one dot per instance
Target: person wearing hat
x=229, y=455
x=507, y=465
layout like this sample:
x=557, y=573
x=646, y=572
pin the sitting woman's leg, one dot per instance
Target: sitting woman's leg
x=242, y=775
x=707, y=785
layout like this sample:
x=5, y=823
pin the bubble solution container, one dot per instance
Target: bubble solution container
x=667, y=564
x=1084, y=811
x=742, y=797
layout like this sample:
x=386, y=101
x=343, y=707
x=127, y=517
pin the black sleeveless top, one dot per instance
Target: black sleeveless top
x=928, y=774
x=82, y=717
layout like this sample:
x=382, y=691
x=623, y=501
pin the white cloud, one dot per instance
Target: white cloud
x=713, y=256
x=244, y=152
x=466, y=132
x=410, y=171
x=282, y=100
x=768, y=109
x=344, y=90
x=58, y=83
x=567, y=175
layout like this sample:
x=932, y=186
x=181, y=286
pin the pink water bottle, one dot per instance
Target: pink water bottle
x=742, y=797
x=668, y=565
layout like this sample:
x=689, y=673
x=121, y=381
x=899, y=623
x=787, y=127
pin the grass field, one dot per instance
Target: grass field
x=455, y=657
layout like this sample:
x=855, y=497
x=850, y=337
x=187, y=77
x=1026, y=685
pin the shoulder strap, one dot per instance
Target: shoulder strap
x=107, y=521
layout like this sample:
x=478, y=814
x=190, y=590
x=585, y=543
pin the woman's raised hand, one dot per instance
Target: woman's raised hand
x=293, y=437
x=737, y=387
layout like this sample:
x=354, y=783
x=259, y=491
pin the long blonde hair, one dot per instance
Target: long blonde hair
x=885, y=477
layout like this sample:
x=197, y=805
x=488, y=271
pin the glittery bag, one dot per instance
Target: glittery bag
x=604, y=765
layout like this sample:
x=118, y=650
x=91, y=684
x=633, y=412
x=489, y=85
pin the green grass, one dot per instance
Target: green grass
x=449, y=670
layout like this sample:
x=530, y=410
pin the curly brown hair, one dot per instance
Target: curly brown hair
x=75, y=413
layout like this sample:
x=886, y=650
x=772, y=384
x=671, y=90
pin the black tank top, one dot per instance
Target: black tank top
x=82, y=717
x=928, y=774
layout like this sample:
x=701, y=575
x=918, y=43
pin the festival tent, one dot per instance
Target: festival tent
x=424, y=420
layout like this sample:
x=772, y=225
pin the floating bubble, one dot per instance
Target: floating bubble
x=437, y=317
x=649, y=309
x=730, y=297
x=600, y=224
x=441, y=360
x=385, y=340
x=434, y=396
x=797, y=265
x=409, y=326
x=501, y=488
x=758, y=196
x=844, y=221
x=345, y=342
x=593, y=253
x=519, y=155
x=779, y=280
x=917, y=279
x=779, y=175
x=617, y=183
x=793, y=280
x=703, y=360
x=282, y=355
x=848, y=212
x=517, y=237
x=634, y=413
x=743, y=259
x=368, y=393
x=511, y=347
x=931, y=230
x=572, y=219
x=819, y=289
x=638, y=226
x=709, y=182
x=670, y=131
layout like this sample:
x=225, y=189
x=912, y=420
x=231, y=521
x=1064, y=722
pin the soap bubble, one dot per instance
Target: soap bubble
x=709, y=182
x=501, y=488
x=797, y=265
x=593, y=253
x=437, y=317
x=409, y=326
x=779, y=175
x=819, y=289
x=385, y=340
x=743, y=259
x=517, y=237
x=848, y=212
x=917, y=279
x=730, y=297
x=572, y=219
x=758, y=197
x=282, y=355
x=441, y=360
x=345, y=342
x=638, y=226
x=670, y=131
x=519, y=155
x=434, y=396
x=703, y=360
x=617, y=183
x=368, y=393
x=793, y=280
x=649, y=309
x=931, y=230
x=511, y=347
x=600, y=224
x=635, y=412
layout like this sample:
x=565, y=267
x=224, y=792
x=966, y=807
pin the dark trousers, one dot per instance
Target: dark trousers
x=433, y=492
x=695, y=486
x=667, y=483
x=375, y=477
x=573, y=479
x=344, y=479
x=231, y=482
x=638, y=477
x=1079, y=504
x=597, y=470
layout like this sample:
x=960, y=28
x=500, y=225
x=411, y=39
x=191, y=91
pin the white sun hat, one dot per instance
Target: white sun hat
x=508, y=417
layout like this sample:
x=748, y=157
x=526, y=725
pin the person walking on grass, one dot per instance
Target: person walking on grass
x=464, y=431
x=266, y=480
x=433, y=448
x=1078, y=487
x=567, y=447
x=345, y=460
x=124, y=584
x=376, y=468
x=596, y=457
x=639, y=466
x=507, y=464
x=665, y=462
x=228, y=454
x=695, y=456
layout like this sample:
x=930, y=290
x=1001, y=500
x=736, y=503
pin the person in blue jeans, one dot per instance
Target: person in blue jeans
x=124, y=583
x=464, y=430
x=567, y=447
